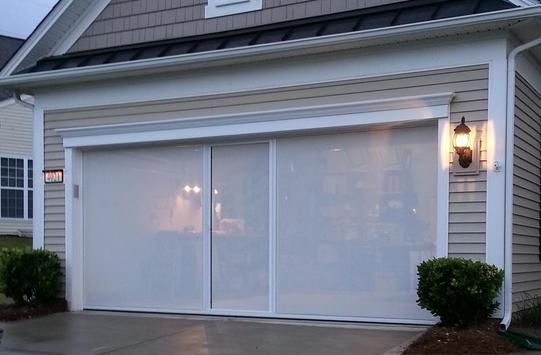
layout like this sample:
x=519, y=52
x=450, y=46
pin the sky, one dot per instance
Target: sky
x=18, y=18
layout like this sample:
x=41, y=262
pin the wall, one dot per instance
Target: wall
x=126, y=22
x=467, y=193
x=15, y=129
x=526, y=193
x=15, y=140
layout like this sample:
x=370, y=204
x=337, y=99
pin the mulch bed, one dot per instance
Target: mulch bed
x=12, y=312
x=483, y=339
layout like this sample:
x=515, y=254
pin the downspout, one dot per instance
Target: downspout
x=509, y=144
x=19, y=100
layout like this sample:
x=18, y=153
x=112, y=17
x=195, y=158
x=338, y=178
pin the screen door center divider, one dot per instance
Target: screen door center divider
x=239, y=227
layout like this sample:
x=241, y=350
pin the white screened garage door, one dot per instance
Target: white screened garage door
x=323, y=226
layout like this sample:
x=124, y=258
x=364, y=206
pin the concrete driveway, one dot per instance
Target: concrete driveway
x=121, y=333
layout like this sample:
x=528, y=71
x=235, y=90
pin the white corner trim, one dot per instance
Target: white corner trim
x=39, y=194
x=496, y=155
x=217, y=8
x=496, y=151
x=274, y=121
x=84, y=21
x=35, y=37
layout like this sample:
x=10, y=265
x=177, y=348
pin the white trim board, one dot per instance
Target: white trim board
x=266, y=315
x=266, y=122
x=496, y=148
x=74, y=229
x=333, y=116
x=442, y=223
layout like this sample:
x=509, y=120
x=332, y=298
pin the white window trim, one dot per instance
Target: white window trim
x=410, y=109
x=25, y=187
x=216, y=8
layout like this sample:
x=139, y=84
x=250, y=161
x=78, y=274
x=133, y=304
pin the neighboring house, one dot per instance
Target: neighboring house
x=289, y=159
x=15, y=156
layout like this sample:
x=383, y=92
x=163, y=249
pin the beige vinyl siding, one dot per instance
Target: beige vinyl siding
x=16, y=141
x=15, y=129
x=18, y=227
x=467, y=193
x=526, y=193
x=125, y=22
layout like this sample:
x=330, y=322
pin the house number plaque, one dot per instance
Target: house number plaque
x=53, y=176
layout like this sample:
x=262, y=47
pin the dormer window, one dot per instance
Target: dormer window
x=216, y=8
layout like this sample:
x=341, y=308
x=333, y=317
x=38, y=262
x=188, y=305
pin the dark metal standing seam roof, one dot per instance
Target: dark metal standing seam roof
x=413, y=11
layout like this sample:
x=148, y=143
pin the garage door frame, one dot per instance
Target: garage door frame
x=246, y=126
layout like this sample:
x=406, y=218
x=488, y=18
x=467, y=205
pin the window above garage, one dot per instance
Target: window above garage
x=216, y=8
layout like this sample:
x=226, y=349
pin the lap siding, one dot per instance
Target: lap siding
x=526, y=193
x=467, y=227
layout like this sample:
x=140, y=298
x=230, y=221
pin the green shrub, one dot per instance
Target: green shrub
x=461, y=292
x=29, y=276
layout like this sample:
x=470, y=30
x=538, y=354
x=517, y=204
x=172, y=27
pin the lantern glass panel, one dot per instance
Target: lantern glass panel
x=462, y=140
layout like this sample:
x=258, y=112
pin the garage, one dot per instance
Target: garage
x=321, y=226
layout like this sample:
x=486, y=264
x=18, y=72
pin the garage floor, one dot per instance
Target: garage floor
x=114, y=333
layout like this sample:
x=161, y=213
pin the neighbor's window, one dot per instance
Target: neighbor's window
x=217, y=8
x=15, y=187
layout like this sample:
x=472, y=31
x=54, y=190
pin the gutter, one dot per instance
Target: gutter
x=271, y=50
x=20, y=101
x=509, y=144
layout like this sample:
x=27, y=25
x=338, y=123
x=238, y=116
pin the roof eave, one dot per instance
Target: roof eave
x=493, y=20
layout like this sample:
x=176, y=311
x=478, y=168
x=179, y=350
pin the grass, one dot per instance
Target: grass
x=12, y=242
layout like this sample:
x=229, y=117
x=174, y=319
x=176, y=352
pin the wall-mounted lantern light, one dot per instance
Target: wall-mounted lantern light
x=462, y=144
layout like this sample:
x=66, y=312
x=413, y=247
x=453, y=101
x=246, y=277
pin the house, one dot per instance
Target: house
x=291, y=159
x=15, y=156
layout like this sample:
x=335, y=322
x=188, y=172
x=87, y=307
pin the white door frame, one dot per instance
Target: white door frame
x=301, y=120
